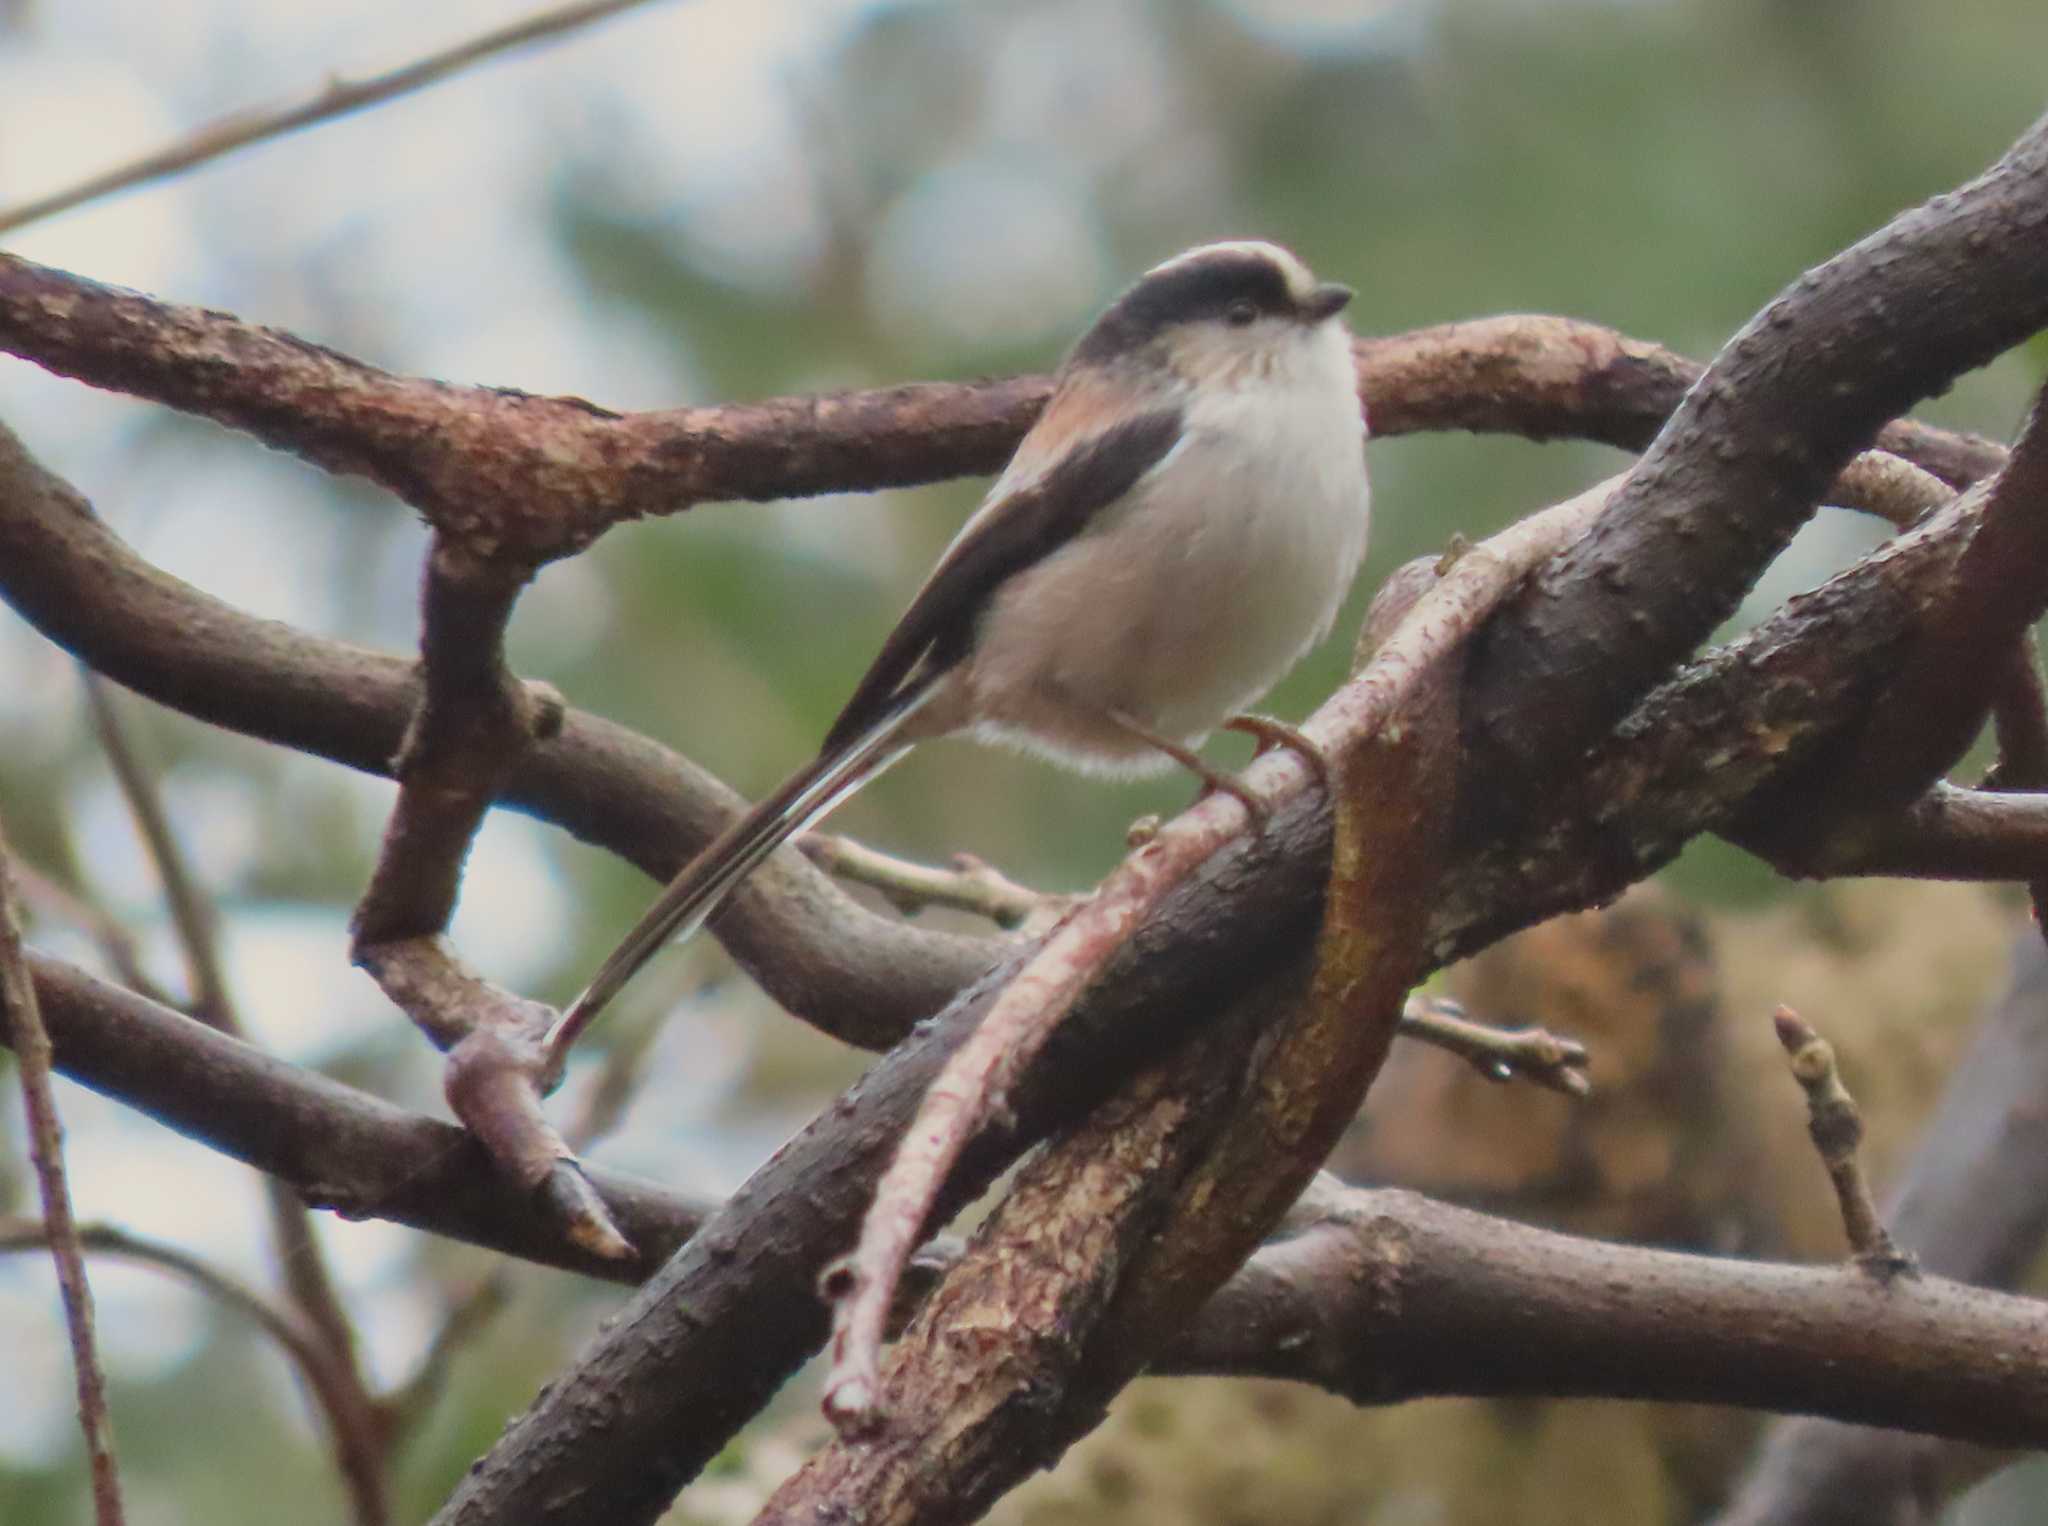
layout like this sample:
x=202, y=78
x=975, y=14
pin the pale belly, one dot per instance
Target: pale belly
x=1182, y=609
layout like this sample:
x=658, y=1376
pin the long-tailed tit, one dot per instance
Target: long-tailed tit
x=1175, y=531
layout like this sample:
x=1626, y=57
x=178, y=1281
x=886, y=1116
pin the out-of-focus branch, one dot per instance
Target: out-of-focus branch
x=43, y=896
x=192, y=914
x=336, y=1392
x=21, y=1020
x=337, y=97
x=356, y=1426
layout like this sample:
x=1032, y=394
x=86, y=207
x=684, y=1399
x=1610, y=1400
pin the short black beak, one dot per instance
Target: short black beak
x=1326, y=301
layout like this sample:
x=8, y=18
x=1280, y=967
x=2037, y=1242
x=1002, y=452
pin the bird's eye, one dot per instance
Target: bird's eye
x=1240, y=314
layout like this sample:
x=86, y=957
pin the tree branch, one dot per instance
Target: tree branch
x=1730, y=479
x=526, y=479
x=21, y=1022
x=336, y=1392
x=1382, y=1296
x=473, y=724
x=1420, y=1290
x=1972, y=1205
x=337, y=97
x=356, y=1427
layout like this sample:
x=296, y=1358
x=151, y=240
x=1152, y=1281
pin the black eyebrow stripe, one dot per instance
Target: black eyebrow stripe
x=1192, y=289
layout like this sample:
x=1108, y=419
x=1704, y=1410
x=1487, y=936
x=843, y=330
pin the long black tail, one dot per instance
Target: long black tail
x=702, y=886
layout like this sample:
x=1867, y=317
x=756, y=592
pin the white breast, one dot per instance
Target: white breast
x=1188, y=602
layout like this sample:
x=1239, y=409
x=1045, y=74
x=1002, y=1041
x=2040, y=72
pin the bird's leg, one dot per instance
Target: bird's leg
x=1270, y=733
x=1212, y=779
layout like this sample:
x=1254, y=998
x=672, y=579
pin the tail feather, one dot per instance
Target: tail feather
x=704, y=883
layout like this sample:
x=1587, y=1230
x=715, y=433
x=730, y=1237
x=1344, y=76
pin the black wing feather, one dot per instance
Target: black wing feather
x=938, y=628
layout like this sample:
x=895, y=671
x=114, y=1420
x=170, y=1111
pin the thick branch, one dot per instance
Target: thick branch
x=1743, y=461
x=1385, y=1296
x=1420, y=1289
x=526, y=478
x=1965, y=655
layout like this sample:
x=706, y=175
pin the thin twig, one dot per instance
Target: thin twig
x=42, y=894
x=333, y=1388
x=337, y=97
x=1972, y=1204
x=19, y=1234
x=358, y=1429
x=192, y=912
x=30, y=1041
x=1837, y=1129
x=971, y=885
x=1498, y=1054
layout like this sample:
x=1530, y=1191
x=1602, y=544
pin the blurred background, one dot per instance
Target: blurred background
x=718, y=199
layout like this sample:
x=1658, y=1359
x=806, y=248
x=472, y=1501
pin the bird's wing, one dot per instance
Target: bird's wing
x=1010, y=532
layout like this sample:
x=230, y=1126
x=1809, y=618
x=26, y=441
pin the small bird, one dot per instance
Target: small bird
x=1174, y=532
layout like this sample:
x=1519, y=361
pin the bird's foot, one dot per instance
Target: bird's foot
x=1269, y=733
